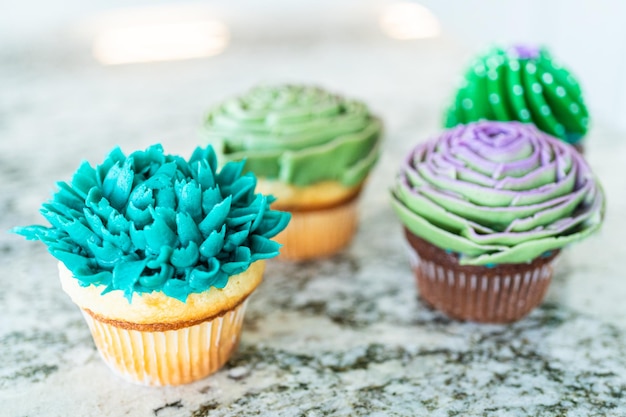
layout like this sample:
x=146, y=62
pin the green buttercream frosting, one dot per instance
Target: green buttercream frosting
x=521, y=83
x=154, y=222
x=497, y=193
x=299, y=135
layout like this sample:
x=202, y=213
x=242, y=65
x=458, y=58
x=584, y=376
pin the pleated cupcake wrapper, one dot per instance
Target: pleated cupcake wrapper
x=169, y=357
x=318, y=233
x=482, y=297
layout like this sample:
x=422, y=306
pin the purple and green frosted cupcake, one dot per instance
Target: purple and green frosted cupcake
x=522, y=83
x=486, y=208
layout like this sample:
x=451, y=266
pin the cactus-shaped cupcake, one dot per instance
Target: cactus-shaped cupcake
x=522, y=83
x=311, y=149
x=161, y=254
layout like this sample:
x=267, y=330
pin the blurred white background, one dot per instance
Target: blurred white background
x=587, y=35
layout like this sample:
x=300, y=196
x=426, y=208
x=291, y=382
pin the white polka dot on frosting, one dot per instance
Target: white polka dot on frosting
x=560, y=130
x=560, y=91
x=537, y=88
x=524, y=114
x=545, y=110
x=494, y=98
x=493, y=62
x=547, y=78
x=518, y=90
x=574, y=108
x=467, y=103
x=531, y=68
x=514, y=65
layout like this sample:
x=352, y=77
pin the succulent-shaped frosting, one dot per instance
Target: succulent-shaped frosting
x=155, y=222
x=497, y=192
x=521, y=83
x=299, y=135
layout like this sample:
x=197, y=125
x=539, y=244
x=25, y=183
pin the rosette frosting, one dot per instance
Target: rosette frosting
x=496, y=193
x=299, y=135
x=521, y=83
x=154, y=222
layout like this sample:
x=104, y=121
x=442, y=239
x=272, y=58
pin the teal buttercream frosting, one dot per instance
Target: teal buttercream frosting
x=155, y=222
x=299, y=135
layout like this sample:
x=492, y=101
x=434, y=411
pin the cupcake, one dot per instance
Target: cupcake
x=311, y=149
x=525, y=84
x=161, y=255
x=486, y=209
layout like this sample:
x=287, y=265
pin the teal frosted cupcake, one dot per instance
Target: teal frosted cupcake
x=522, y=83
x=161, y=255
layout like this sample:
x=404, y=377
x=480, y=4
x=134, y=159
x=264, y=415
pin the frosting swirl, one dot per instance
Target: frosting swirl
x=521, y=83
x=299, y=135
x=497, y=192
x=155, y=222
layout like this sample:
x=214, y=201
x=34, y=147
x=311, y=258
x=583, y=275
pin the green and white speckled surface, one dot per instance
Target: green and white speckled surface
x=341, y=337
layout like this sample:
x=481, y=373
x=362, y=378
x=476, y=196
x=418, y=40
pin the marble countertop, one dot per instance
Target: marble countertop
x=344, y=336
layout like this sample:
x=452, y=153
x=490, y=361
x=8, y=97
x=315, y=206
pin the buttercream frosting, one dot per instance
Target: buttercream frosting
x=525, y=84
x=155, y=222
x=299, y=135
x=497, y=192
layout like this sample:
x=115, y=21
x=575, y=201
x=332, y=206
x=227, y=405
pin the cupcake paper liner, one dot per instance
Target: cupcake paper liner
x=318, y=233
x=482, y=298
x=501, y=294
x=170, y=357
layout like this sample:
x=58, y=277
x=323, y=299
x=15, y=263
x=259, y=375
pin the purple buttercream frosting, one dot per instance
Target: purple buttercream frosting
x=525, y=51
x=498, y=191
x=497, y=148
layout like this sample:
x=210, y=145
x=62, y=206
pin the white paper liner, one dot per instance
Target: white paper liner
x=318, y=233
x=169, y=357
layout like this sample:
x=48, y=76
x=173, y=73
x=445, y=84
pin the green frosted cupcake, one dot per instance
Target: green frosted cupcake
x=522, y=83
x=310, y=148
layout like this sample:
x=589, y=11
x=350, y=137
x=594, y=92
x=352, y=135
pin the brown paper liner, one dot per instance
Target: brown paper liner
x=318, y=233
x=502, y=294
x=171, y=357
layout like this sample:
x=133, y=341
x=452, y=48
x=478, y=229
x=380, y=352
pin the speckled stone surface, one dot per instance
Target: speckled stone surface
x=345, y=336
